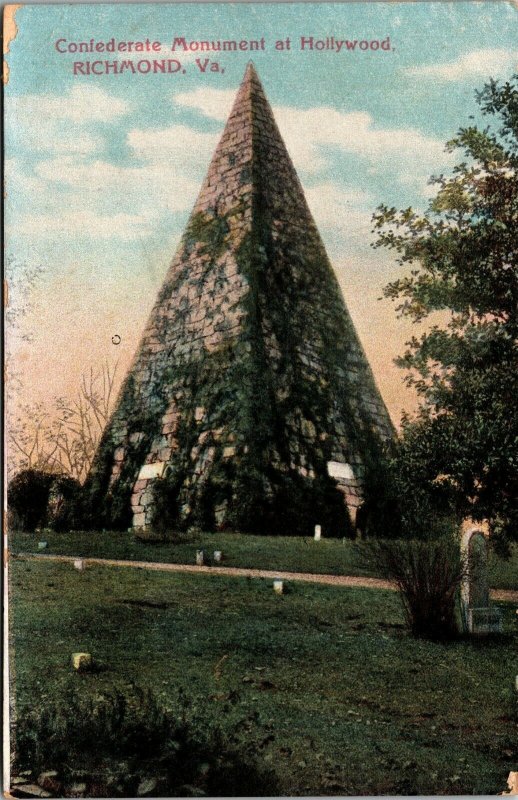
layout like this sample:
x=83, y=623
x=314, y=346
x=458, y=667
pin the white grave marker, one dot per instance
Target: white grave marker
x=318, y=533
x=278, y=587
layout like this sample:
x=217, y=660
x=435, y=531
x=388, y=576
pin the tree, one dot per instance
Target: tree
x=461, y=448
x=63, y=440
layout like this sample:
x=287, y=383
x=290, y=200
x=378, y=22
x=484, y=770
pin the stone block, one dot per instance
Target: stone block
x=82, y=662
x=32, y=790
x=49, y=781
x=154, y=470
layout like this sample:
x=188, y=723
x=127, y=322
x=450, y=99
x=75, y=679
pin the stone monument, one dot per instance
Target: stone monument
x=250, y=403
x=479, y=617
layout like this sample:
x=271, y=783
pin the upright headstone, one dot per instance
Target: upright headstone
x=479, y=617
x=478, y=585
x=318, y=533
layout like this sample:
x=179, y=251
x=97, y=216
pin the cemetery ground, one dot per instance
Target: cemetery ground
x=286, y=553
x=346, y=701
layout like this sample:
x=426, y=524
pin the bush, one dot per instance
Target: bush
x=27, y=499
x=428, y=575
x=63, y=506
x=37, y=499
x=115, y=741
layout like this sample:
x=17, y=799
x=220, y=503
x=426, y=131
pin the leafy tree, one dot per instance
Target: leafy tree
x=461, y=449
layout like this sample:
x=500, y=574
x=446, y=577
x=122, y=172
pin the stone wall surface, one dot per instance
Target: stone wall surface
x=249, y=377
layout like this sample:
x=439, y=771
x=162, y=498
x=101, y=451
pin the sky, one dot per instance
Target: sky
x=102, y=171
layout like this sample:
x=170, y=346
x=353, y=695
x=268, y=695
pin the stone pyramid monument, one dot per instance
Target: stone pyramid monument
x=250, y=403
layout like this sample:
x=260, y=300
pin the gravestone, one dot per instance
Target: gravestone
x=82, y=662
x=318, y=533
x=479, y=617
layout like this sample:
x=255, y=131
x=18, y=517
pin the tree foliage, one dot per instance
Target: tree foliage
x=63, y=439
x=461, y=449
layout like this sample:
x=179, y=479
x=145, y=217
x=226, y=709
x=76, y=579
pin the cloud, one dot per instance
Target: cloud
x=99, y=184
x=343, y=216
x=477, y=64
x=86, y=223
x=59, y=123
x=329, y=203
x=213, y=103
x=180, y=145
x=83, y=103
x=310, y=134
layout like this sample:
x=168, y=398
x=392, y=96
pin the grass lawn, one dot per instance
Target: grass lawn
x=296, y=554
x=354, y=704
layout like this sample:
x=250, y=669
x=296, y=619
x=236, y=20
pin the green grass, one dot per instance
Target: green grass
x=333, y=556
x=354, y=704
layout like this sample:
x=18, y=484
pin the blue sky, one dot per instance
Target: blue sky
x=103, y=171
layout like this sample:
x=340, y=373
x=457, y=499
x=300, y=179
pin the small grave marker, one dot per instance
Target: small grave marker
x=318, y=533
x=42, y=545
x=200, y=558
x=278, y=587
x=79, y=564
x=218, y=555
x=82, y=662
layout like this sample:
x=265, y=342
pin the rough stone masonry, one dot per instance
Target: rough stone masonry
x=250, y=403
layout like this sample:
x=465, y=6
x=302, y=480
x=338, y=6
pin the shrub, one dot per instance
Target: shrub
x=63, y=505
x=428, y=576
x=115, y=741
x=27, y=499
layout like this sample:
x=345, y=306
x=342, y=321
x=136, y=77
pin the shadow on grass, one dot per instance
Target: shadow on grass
x=127, y=744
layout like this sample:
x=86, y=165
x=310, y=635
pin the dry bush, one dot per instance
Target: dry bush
x=428, y=575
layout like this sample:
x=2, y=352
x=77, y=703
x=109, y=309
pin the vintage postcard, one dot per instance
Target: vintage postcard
x=261, y=441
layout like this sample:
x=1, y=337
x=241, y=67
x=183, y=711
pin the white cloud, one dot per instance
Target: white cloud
x=83, y=103
x=57, y=123
x=213, y=103
x=330, y=204
x=180, y=145
x=99, y=182
x=309, y=133
x=86, y=223
x=477, y=64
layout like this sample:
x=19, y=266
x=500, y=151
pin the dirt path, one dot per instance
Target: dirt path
x=507, y=595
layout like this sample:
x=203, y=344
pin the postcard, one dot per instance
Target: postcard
x=261, y=361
